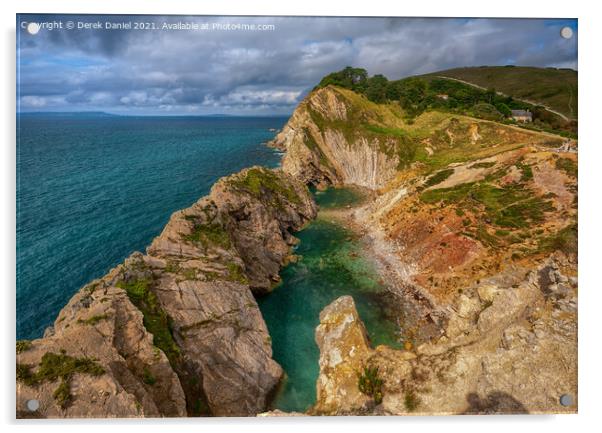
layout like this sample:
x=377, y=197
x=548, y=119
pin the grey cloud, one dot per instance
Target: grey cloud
x=262, y=72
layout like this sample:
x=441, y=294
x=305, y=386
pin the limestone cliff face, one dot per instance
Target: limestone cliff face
x=177, y=330
x=99, y=323
x=319, y=150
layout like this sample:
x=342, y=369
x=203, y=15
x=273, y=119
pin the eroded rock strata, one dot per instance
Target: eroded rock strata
x=175, y=331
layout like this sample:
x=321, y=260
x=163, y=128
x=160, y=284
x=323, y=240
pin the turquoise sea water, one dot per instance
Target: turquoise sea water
x=331, y=266
x=91, y=189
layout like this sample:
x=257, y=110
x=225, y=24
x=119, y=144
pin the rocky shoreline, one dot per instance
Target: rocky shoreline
x=453, y=350
x=414, y=308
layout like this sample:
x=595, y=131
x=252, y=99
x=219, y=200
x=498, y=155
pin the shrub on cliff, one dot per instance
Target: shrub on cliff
x=486, y=111
x=567, y=165
x=23, y=345
x=565, y=240
x=438, y=177
x=411, y=400
x=61, y=366
x=370, y=383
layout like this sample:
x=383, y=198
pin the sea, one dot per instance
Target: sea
x=93, y=188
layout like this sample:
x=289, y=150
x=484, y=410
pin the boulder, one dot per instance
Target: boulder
x=344, y=351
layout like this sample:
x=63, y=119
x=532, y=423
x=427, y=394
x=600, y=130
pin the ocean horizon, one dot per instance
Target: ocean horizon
x=154, y=114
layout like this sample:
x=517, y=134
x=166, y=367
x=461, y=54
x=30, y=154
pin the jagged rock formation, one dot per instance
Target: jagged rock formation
x=176, y=331
x=340, y=336
x=100, y=323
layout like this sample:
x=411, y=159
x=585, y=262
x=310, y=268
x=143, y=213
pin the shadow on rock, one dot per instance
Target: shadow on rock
x=494, y=403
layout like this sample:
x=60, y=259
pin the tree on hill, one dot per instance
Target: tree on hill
x=417, y=94
x=376, y=88
x=490, y=95
x=349, y=78
x=412, y=92
x=504, y=109
x=483, y=110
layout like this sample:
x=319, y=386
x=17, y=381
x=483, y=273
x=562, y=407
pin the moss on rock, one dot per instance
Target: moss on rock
x=23, y=345
x=58, y=366
x=156, y=321
x=262, y=182
x=211, y=234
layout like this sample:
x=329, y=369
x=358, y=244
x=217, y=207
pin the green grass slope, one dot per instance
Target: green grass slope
x=554, y=88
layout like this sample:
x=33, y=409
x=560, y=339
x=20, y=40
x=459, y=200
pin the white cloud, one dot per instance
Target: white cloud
x=33, y=101
x=247, y=97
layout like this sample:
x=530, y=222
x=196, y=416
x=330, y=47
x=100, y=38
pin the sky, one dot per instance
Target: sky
x=226, y=67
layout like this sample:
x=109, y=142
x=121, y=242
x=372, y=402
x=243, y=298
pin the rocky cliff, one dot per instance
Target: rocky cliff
x=473, y=225
x=337, y=137
x=175, y=331
x=510, y=346
x=322, y=149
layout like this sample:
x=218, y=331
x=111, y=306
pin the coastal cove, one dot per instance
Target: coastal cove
x=331, y=263
x=143, y=170
x=367, y=265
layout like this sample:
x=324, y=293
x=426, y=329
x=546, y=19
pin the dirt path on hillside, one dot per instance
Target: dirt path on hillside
x=528, y=101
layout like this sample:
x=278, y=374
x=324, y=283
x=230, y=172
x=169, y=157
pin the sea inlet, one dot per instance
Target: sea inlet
x=331, y=265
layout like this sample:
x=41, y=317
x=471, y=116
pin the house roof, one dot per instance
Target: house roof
x=526, y=113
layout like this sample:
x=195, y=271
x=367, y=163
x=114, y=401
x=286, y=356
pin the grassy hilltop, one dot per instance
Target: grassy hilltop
x=491, y=98
x=554, y=88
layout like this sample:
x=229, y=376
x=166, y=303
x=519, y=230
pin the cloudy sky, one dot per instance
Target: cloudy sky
x=255, y=72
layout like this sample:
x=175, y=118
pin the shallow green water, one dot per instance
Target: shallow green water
x=331, y=267
x=334, y=198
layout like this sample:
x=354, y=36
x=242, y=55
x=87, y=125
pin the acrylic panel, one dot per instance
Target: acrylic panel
x=274, y=216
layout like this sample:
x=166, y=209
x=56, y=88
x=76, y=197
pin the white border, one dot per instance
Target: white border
x=590, y=165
